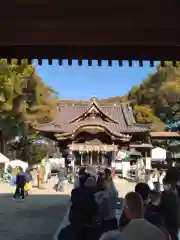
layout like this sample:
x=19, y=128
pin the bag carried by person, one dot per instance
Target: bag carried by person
x=26, y=187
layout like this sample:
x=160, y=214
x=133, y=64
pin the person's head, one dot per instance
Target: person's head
x=172, y=176
x=90, y=182
x=144, y=190
x=107, y=173
x=82, y=171
x=133, y=205
x=155, y=170
x=155, y=197
x=167, y=185
x=83, y=178
x=20, y=169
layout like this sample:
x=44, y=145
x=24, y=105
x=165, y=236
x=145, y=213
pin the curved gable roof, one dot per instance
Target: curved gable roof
x=94, y=106
x=120, y=117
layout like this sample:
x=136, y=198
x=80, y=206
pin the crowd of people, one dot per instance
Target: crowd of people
x=146, y=213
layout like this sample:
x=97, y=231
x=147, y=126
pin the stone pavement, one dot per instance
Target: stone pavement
x=35, y=218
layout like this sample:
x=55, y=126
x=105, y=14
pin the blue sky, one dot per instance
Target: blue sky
x=83, y=82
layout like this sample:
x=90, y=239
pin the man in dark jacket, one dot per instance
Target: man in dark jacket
x=82, y=215
x=81, y=227
x=20, y=183
x=169, y=209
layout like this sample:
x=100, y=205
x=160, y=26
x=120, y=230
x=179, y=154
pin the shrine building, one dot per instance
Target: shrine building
x=97, y=129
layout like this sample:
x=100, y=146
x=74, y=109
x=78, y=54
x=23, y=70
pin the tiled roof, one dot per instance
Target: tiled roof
x=121, y=115
x=165, y=134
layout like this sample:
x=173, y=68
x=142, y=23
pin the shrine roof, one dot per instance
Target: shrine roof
x=118, y=118
x=165, y=134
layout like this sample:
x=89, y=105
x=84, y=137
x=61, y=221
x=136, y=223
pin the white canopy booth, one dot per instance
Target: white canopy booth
x=16, y=163
x=158, y=154
x=3, y=159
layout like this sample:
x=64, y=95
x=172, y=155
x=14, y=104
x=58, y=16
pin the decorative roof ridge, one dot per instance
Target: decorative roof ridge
x=118, y=104
x=148, y=125
x=94, y=103
x=86, y=104
x=53, y=124
x=123, y=106
x=125, y=135
x=47, y=124
x=73, y=103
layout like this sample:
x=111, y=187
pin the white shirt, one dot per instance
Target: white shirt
x=150, y=183
x=141, y=229
x=161, y=182
x=113, y=164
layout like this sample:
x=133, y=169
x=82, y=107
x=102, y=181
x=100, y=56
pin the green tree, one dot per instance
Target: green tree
x=161, y=92
x=145, y=115
x=24, y=101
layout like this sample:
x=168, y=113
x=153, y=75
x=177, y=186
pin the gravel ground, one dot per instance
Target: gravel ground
x=35, y=218
x=123, y=186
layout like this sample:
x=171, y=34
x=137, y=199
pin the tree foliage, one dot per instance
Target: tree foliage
x=24, y=101
x=161, y=92
x=157, y=99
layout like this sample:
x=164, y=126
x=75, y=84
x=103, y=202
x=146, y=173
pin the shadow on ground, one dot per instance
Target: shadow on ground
x=35, y=218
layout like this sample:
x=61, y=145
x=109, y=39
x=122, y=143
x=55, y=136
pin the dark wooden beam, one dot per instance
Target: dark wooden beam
x=147, y=53
x=102, y=30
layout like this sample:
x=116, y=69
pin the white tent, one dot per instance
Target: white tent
x=3, y=159
x=16, y=163
x=158, y=154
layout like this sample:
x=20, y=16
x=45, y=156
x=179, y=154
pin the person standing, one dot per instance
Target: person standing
x=161, y=178
x=150, y=181
x=107, y=197
x=155, y=176
x=139, y=228
x=169, y=207
x=61, y=179
x=20, y=183
x=113, y=167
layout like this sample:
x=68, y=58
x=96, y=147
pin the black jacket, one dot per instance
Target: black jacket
x=169, y=209
x=84, y=206
x=21, y=179
x=152, y=214
x=84, y=233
